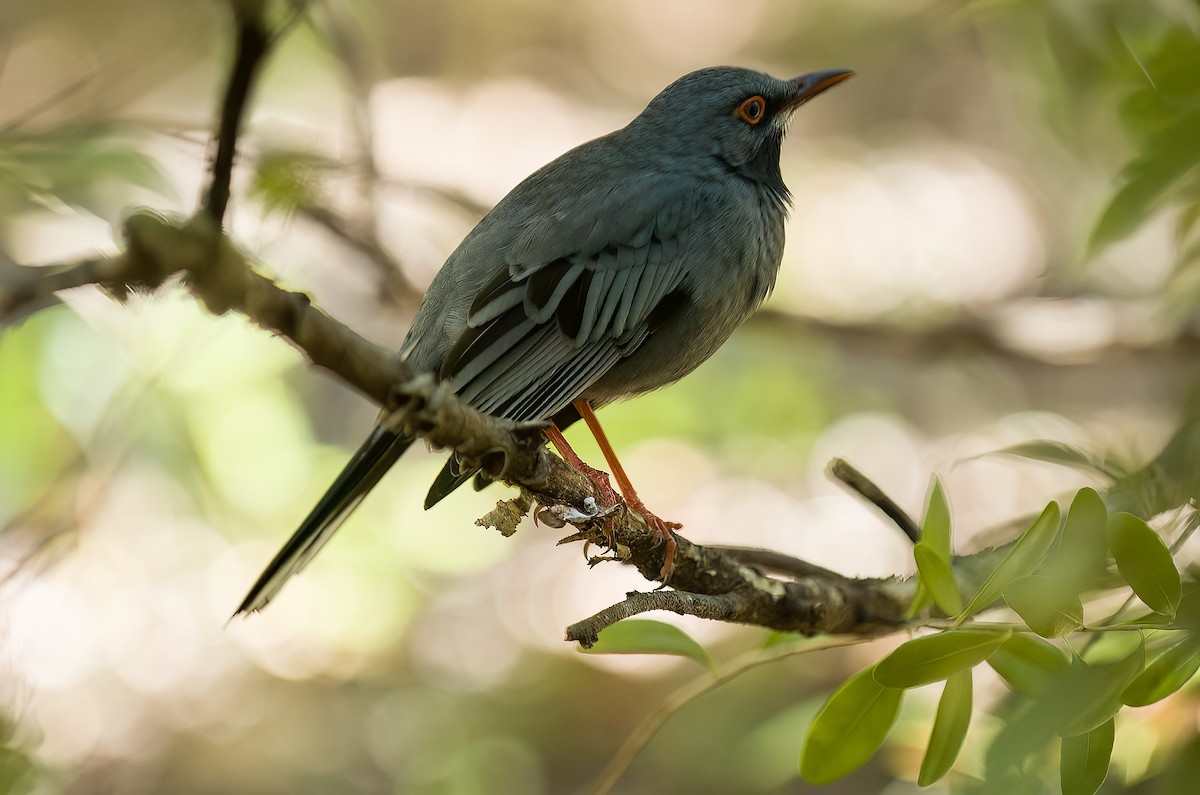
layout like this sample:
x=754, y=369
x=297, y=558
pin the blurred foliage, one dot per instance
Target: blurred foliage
x=17, y=772
x=285, y=181
x=171, y=450
x=1162, y=116
x=75, y=165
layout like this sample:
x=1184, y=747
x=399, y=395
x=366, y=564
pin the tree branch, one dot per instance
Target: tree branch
x=840, y=470
x=713, y=582
x=252, y=46
x=720, y=583
x=365, y=240
x=809, y=605
x=979, y=334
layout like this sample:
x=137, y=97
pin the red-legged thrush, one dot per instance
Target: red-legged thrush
x=614, y=270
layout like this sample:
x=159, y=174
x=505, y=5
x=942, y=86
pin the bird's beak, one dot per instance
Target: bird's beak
x=813, y=83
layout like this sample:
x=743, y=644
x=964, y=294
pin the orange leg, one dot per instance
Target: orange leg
x=599, y=479
x=663, y=528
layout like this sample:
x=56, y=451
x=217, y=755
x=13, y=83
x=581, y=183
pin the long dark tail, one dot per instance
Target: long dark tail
x=368, y=465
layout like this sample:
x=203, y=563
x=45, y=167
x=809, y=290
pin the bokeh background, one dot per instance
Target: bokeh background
x=956, y=282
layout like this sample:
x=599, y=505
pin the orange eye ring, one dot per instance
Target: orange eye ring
x=752, y=110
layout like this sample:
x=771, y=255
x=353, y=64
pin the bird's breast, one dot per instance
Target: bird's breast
x=733, y=259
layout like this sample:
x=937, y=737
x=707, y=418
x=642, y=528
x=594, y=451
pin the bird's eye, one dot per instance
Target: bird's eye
x=751, y=110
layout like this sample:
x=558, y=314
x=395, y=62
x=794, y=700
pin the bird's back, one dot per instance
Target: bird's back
x=646, y=224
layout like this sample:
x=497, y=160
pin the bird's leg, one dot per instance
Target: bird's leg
x=660, y=526
x=599, y=479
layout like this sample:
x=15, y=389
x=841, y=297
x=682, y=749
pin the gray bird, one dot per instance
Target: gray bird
x=612, y=271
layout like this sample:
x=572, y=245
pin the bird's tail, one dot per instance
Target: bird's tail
x=453, y=475
x=368, y=465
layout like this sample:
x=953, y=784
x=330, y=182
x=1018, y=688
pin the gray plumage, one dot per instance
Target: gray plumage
x=614, y=270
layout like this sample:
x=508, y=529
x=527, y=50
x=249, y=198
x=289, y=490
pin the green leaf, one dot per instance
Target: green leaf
x=938, y=577
x=949, y=728
x=935, y=657
x=1085, y=758
x=1166, y=157
x=1145, y=562
x=1187, y=222
x=935, y=526
x=1025, y=556
x=1046, y=605
x=849, y=729
x=1093, y=693
x=77, y=164
x=1028, y=664
x=1074, y=701
x=1056, y=453
x=921, y=599
x=640, y=636
x=935, y=534
x=18, y=775
x=1181, y=768
x=1168, y=672
x=1083, y=550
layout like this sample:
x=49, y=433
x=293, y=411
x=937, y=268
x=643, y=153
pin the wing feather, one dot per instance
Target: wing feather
x=574, y=295
x=547, y=287
x=594, y=302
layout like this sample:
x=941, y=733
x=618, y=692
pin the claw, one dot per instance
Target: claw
x=610, y=496
x=663, y=528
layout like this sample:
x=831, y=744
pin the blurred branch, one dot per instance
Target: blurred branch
x=252, y=46
x=343, y=32
x=968, y=335
x=366, y=241
x=456, y=198
x=25, y=290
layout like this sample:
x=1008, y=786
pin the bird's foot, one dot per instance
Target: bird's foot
x=608, y=496
x=663, y=528
x=599, y=479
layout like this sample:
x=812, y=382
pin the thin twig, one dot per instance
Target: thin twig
x=49, y=101
x=716, y=607
x=841, y=471
x=367, y=242
x=777, y=562
x=645, y=731
x=976, y=335
x=713, y=584
x=343, y=32
x=24, y=289
x=253, y=44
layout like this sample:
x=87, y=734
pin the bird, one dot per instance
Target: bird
x=612, y=271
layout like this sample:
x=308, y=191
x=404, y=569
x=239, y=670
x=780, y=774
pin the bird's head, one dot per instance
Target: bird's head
x=736, y=115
